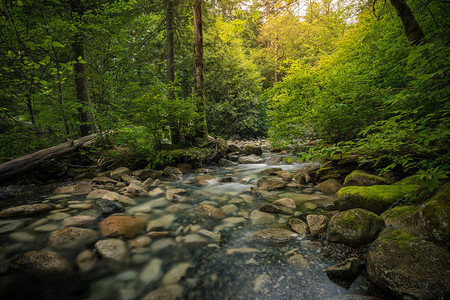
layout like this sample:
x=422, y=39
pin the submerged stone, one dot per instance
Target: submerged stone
x=125, y=226
x=72, y=237
x=25, y=210
x=273, y=235
x=42, y=263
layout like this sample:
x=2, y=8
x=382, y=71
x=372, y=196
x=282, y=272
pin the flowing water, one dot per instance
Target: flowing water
x=197, y=257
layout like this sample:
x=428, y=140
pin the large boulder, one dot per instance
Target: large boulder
x=409, y=267
x=42, y=264
x=361, y=178
x=250, y=159
x=330, y=186
x=25, y=210
x=125, y=226
x=250, y=149
x=72, y=237
x=269, y=184
x=355, y=227
x=378, y=198
x=317, y=224
x=119, y=172
x=340, y=166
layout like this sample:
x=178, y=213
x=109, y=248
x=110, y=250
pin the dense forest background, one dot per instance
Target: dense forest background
x=341, y=71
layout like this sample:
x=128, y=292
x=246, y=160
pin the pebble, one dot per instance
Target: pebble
x=80, y=206
x=176, y=273
x=229, y=208
x=22, y=236
x=170, y=292
x=162, y=244
x=127, y=275
x=164, y=222
x=47, y=227
x=58, y=216
x=58, y=197
x=10, y=225
x=151, y=272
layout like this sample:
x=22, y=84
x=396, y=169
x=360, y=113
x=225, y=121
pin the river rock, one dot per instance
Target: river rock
x=171, y=193
x=163, y=222
x=213, y=212
x=10, y=225
x=113, y=251
x=270, y=208
x=298, y=260
x=156, y=192
x=409, y=267
x=97, y=194
x=58, y=216
x=42, y=264
x=259, y=217
x=227, y=163
x=229, y=208
x=250, y=159
x=72, y=237
x=361, y=178
x=285, y=176
x=317, y=224
x=86, y=260
x=22, y=236
x=298, y=226
x=79, y=221
x=25, y=210
x=213, y=235
x=348, y=269
x=173, y=173
x=273, y=235
x=244, y=250
x=113, y=196
x=271, y=171
x=169, y=292
x=192, y=239
x=117, y=173
x=137, y=188
x=355, y=227
x=378, y=198
x=103, y=180
x=106, y=207
x=151, y=272
x=147, y=173
x=129, y=179
x=138, y=242
x=330, y=186
x=225, y=179
x=285, y=202
x=125, y=226
x=251, y=149
x=274, y=160
x=270, y=184
x=176, y=273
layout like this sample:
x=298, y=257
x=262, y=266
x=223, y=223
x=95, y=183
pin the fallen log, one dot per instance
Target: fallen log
x=19, y=166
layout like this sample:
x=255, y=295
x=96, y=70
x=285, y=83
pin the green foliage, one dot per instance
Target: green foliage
x=433, y=178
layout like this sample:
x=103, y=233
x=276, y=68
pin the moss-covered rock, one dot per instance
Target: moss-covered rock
x=408, y=266
x=355, y=227
x=405, y=217
x=361, y=178
x=378, y=198
x=435, y=215
x=250, y=149
x=331, y=170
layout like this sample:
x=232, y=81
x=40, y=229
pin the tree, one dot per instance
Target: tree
x=411, y=27
x=201, y=130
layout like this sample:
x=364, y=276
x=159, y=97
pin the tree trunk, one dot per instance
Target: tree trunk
x=412, y=29
x=19, y=166
x=30, y=109
x=175, y=133
x=60, y=95
x=88, y=123
x=198, y=91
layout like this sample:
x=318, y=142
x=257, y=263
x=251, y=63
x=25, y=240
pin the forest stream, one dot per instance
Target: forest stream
x=188, y=250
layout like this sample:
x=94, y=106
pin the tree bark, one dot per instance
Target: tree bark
x=201, y=130
x=411, y=27
x=88, y=123
x=19, y=166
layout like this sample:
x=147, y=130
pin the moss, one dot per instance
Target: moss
x=351, y=220
x=400, y=211
x=365, y=178
x=399, y=237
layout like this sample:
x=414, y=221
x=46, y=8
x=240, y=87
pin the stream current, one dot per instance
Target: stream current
x=195, y=256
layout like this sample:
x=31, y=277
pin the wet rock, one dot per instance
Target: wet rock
x=229, y=208
x=361, y=178
x=184, y=167
x=171, y=193
x=170, y=292
x=176, y=273
x=317, y=224
x=250, y=159
x=270, y=208
x=25, y=210
x=273, y=235
x=173, y=173
x=271, y=171
x=298, y=260
x=42, y=264
x=259, y=217
x=241, y=251
x=274, y=160
x=151, y=272
x=234, y=220
x=86, y=260
x=271, y=184
x=285, y=202
x=138, y=242
x=355, y=227
x=262, y=283
x=147, y=173
x=213, y=212
x=330, y=186
x=285, y=176
x=10, y=225
x=137, y=188
x=251, y=149
x=103, y=180
x=226, y=163
x=156, y=192
x=203, y=179
x=113, y=251
x=245, y=180
x=106, y=207
x=22, y=236
x=125, y=226
x=298, y=226
x=129, y=179
x=119, y=172
x=47, y=228
x=72, y=237
x=259, y=192
x=163, y=222
x=79, y=221
x=148, y=182
x=348, y=269
x=113, y=196
x=78, y=189
x=162, y=243
x=192, y=240
x=408, y=266
x=226, y=179
x=58, y=216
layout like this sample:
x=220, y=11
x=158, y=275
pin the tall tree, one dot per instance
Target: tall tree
x=201, y=130
x=413, y=31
